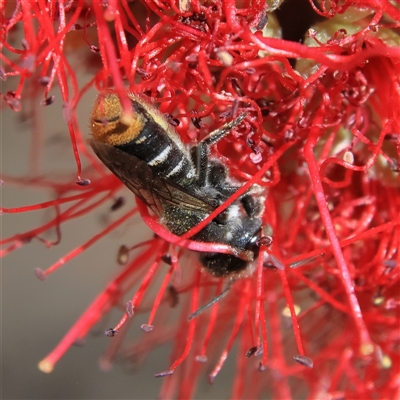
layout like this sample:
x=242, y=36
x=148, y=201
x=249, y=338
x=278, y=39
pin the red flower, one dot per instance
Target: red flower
x=319, y=317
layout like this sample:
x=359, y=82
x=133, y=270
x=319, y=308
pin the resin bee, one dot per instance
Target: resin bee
x=181, y=185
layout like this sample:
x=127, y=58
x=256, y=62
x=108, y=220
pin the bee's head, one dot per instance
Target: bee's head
x=109, y=123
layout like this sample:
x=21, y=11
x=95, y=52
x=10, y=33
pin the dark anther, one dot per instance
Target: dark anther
x=196, y=122
x=110, y=332
x=264, y=241
x=162, y=374
x=251, y=351
x=171, y=120
x=250, y=142
x=44, y=80
x=167, y=259
x=118, y=203
x=47, y=101
x=392, y=136
x=303, y=360
x=83, y=182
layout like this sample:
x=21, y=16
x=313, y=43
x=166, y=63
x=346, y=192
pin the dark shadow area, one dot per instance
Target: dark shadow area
x=295, y=18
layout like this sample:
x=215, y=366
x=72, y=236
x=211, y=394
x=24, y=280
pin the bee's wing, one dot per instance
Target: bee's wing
x=144, y=183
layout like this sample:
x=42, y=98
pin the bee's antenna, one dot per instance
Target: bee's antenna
x=213, y=301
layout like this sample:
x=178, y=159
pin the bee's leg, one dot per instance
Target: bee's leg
x=213, y=301
x=203, y=148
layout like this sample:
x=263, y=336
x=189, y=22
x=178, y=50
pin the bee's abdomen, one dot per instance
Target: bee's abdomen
x=154, y=146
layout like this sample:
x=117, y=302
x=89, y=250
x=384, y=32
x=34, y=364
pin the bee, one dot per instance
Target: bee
x=181, y=185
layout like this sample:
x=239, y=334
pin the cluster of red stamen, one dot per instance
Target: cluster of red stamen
x=321, y=136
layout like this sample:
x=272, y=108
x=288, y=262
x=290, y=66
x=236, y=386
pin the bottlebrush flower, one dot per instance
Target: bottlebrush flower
x=319, y=317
